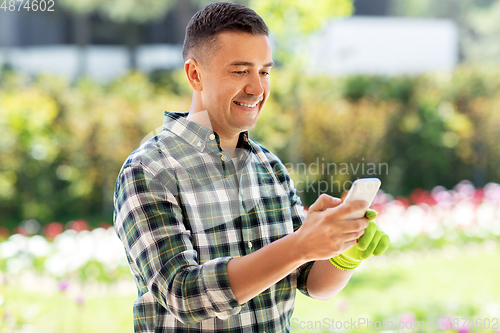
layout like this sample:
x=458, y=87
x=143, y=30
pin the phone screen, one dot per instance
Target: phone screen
x=363, y=189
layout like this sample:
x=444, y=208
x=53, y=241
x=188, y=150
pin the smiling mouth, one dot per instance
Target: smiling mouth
x=247, y=105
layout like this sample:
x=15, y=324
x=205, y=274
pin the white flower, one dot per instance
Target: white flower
x=38, y=246
x=8, y=249
x=56, y=265
x=19, y=263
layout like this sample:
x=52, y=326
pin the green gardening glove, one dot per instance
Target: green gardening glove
x=374, y=241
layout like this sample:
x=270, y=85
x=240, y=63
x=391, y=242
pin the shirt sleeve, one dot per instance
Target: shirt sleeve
x=149, y=221
x=297, y=211
x=298, y=218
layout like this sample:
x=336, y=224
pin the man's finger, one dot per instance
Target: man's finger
x=370, y=214
x=382, y=245
x=353, y=235
x=349, y=208
x=365, y=240
x=348, y=226
x=349, y=244
x=323, y=202
x=369, y=250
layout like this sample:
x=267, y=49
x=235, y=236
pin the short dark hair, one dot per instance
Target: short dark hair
x=218, y=17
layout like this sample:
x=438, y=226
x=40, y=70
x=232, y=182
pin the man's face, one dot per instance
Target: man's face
x=235, y=81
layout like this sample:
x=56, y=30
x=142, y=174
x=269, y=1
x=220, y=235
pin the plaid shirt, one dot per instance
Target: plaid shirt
x=183, y=209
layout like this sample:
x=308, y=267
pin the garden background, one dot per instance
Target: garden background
x=62, y=143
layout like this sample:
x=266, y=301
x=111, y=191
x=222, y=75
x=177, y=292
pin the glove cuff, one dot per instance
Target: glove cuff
x=344, y=263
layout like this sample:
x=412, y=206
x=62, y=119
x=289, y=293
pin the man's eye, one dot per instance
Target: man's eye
x=240, y=72
x=265, y=73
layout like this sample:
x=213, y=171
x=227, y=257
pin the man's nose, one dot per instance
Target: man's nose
x=254, y=86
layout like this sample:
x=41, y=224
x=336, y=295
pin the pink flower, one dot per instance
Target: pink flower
x=421, y=196
x=78, y=225
x=445, y=323
x=105, y=225
x=21, y=231
x=4, y=233
x=492, y=192
x=478, y=196
x=53, y=229
x=408, y=317
x=465, y=188
x=63, y=285
x=463, y=328
x=343, y=305
x=402, y=201
x=79, y=300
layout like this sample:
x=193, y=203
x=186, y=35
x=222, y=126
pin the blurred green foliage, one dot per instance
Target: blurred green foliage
x=291, y=21
x=432, y=129
x=62, y=145
x=281, y=16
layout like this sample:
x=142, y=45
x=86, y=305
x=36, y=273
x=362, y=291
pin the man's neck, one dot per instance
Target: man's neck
x=229, y=146
x=228, y=141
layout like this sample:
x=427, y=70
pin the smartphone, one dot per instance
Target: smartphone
x=362, y=189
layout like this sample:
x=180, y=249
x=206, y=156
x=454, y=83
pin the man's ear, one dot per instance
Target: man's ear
x=193, y=73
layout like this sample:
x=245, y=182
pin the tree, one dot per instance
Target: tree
x=291, y=22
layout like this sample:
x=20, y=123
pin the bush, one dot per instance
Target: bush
x=62, y=145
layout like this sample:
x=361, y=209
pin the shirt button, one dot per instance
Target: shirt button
x=250, y=245
x=212, y=137
x=199, y=144
x=222, y=157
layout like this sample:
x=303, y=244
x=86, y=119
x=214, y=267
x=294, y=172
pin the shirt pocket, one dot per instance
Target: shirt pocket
x=219, y=241
x=275, y=216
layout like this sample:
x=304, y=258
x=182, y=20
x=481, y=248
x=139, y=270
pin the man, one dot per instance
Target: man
x=210, y=220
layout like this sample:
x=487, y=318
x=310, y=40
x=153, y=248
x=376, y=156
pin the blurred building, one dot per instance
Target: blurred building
x=384, y=46
x=63, y=43
x=372, y=42
x=371, y=7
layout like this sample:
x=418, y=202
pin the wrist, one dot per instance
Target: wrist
x=345, y=263
x=296, y=249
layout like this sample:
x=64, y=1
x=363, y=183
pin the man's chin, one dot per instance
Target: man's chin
x=246, y=126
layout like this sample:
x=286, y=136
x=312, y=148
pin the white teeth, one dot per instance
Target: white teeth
x=247, y=105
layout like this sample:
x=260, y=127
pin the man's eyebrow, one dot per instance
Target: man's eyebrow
x=250, y=64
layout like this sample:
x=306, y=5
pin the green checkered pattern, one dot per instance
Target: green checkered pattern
x=183, y=209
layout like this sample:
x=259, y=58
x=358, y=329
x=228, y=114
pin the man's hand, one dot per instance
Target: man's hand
x=374, y=241
x=325, y=233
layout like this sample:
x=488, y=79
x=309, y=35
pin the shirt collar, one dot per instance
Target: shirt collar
x=196, y=135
